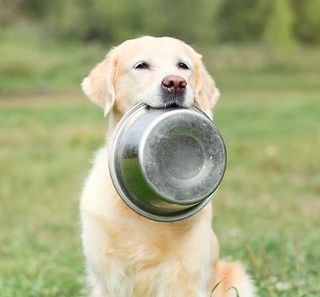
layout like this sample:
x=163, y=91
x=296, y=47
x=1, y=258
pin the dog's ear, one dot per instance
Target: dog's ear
x=98, y=86
x=206, y=92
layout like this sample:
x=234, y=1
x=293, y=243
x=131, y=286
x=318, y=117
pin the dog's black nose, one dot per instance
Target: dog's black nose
x=174, y=84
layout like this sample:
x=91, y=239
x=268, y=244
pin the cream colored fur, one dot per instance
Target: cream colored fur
x=126, y=254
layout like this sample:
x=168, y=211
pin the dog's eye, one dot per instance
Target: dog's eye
x=183, y=65
x=141, y=65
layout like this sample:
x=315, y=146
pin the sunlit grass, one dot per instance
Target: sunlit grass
x=31, y=61
x=268, y=206
x=266, y=210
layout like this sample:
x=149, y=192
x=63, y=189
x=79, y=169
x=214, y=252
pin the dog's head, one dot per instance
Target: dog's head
x=161, y=72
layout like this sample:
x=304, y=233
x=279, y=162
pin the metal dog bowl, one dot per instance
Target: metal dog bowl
x=166, y=164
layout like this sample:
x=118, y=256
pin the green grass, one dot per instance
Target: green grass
x=46, y=145
x=29, y=62
x=266, y=211
x=33, y=62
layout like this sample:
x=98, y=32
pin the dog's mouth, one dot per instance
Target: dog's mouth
x=173, y=101
x=167, y=101
x=168, y=105
x=173, y=105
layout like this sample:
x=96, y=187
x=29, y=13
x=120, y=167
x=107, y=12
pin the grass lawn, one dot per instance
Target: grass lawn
x=266, y=211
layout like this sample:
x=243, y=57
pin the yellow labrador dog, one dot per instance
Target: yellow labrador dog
x=126, y=254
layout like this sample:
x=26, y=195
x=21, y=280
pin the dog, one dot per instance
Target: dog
x=126, y=254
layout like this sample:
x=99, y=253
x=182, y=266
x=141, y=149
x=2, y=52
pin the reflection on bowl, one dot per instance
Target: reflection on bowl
x=166, y=164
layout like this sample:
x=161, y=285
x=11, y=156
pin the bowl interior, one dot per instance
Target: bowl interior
x=182, y=156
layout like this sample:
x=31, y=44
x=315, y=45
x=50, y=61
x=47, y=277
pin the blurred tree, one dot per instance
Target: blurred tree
x=183, y=19
x=307, y=21
x=8, y=11
x=113, y=20
x=278, y=32
x=240, y=20
x=276, y=22
x=35, y=9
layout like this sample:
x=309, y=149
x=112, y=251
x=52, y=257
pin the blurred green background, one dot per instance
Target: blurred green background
x=265, y=58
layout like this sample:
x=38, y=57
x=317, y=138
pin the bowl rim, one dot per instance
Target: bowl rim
x=183, y=214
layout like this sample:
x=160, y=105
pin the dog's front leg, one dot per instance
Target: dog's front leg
x=183, y=285
x=106, y=274
x=183, y=291
x=189, y=273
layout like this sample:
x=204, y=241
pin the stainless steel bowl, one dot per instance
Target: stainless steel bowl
x=166, y=164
